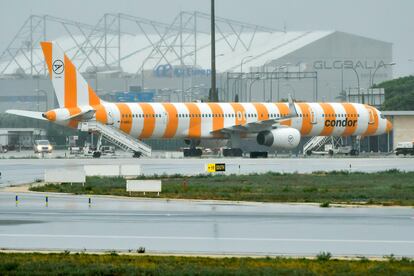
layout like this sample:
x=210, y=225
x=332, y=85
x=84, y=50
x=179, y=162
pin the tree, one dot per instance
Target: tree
x=399, y=93
x=342, y=96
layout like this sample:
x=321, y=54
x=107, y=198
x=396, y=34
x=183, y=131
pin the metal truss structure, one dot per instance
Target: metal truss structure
x=24, y=49
x=100, y=46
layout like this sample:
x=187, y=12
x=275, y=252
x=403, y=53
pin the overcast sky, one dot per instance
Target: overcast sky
x=387, y=20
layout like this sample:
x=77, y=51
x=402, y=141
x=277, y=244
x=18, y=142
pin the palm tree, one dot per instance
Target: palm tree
x=342, y=96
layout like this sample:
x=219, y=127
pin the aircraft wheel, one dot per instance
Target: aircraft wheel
x=137, y=154
x=258, y=154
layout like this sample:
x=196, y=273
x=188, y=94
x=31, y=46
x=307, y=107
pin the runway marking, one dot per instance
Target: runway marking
x=198, y=238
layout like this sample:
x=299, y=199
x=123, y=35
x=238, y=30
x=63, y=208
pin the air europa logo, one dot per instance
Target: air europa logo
x=340, y=123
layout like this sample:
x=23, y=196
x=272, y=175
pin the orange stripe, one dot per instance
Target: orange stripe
x=100, y=114
x=372, y=128
x=218, y=121
x=284, y=111
x=73, y=111
x=172, y=124
x=125, y=117
x=327, y=110
x=195, y=120
x=149, y=120
x=47, y=52
x=70, y=84
x=350, y=110
x=239, y=109
x=262, y=112
x=306, y=119
x=93, y=98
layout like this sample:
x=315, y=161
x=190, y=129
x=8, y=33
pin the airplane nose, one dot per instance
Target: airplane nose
x=50, y=115
x=389, y=126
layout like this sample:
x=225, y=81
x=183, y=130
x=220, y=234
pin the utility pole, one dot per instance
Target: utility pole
x=213, y=54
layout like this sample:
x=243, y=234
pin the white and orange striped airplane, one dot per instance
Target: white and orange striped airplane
x=276, y=125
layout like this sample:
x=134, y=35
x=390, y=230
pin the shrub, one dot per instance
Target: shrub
x=325, y=204
x=324, y=256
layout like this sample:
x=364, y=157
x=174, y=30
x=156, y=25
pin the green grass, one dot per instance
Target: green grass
x=386, y=188
x=113, y=264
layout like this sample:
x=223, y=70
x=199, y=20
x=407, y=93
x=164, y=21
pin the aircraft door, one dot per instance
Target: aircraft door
x=371, y=117
x=110, y=119
x=313, y=118
x=165, y=118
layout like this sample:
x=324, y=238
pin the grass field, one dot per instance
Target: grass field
x=386, y=188
x=113, y=264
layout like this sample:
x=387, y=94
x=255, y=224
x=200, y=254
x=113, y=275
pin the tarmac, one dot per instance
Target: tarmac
x=68, y=222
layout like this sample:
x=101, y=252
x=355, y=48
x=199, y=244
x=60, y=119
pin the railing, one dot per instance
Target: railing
x=315, y=142
x=117, y=137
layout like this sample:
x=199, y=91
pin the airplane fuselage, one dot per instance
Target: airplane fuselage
x=203, y=120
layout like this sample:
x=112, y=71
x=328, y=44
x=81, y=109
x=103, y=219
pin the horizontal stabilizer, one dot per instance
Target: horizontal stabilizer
x=26, y=113
x=83, y=116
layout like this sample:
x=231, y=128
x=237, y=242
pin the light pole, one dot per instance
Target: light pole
x=250, y=89
x=251, y=84
x=376, y=69
x=241, y=63
x=292, y=89
x=271, y=82
x=142, y=72
x=221, y=78
x=359, y=87
x=38, y=102
x=213, y=48
x=278, y=81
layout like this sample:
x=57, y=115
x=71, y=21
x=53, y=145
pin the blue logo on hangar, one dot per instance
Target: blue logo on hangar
x=169, y=71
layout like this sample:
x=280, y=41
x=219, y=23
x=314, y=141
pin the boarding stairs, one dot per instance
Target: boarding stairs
x=315, y=143
x=116, y=137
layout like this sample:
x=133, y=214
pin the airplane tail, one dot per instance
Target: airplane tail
x=71, y=88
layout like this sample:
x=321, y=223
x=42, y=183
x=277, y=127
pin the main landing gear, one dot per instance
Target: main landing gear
x=192, y=152
x=258, y=154
x=355, y=143
x=232, y=152
x=137, y=154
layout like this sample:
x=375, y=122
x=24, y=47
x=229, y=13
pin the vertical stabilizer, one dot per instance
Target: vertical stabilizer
x=71, y=88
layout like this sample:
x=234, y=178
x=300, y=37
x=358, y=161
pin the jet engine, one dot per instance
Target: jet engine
x=280, y=138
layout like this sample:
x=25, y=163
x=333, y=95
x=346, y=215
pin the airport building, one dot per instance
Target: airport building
x=129, y=58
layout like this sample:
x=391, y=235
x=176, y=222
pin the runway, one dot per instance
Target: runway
x=198, y=227
x=20, y=171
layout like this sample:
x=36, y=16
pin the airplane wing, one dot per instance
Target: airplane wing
x=25, y=113
x=258, y=126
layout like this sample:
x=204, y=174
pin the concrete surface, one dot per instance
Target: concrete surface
x=202, y=227
x=20, y=171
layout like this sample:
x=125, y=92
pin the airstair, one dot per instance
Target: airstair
x=315, y=143
x=117, y=137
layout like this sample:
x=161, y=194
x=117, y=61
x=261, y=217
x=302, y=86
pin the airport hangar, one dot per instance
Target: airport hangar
x=130, y=58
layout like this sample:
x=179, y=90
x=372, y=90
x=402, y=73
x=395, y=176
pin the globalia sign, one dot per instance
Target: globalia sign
x=169, y=71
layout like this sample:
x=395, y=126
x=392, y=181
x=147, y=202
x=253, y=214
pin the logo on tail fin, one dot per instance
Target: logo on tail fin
x=58, y=66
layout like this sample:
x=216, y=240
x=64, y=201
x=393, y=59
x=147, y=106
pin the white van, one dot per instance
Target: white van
x=42, y=146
